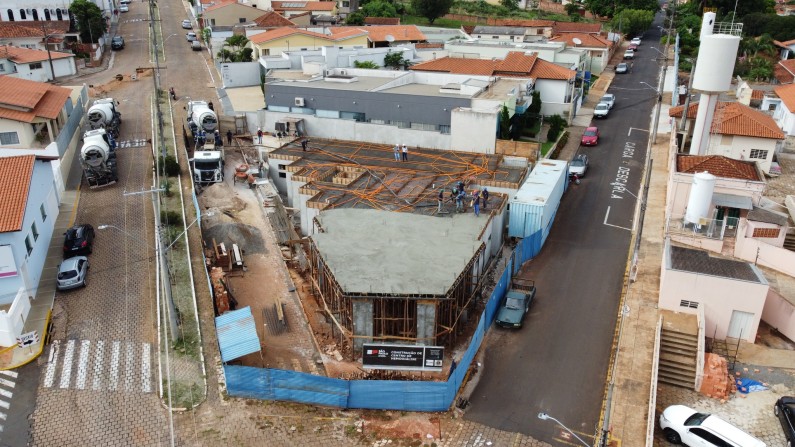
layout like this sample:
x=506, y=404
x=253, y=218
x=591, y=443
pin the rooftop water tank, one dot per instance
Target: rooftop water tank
x=700, y=197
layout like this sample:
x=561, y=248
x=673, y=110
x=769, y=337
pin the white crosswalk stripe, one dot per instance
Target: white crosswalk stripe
x=7, y=385
x=85, y=365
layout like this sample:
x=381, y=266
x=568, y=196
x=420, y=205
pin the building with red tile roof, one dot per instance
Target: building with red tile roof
x=291, y=8
x=598, y=48
x=273, y=19
x=555, y=83
x=278, y=40
x=30, y=108
x=784, y=71
x=28, y=209
x=34, y=65
x=31, y=34
x=737, y=131
x=719, y=166
x=229, y=13
x=382, y=20
x=576, y=27
x=385, y=35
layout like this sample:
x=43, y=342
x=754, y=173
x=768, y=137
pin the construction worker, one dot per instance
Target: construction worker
x=440, y=200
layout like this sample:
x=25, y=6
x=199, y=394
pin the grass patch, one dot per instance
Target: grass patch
x=183, y=394
x=545, y=147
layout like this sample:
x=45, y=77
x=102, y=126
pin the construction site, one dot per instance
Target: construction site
x=344, y=243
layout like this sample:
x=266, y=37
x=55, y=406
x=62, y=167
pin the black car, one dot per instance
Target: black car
x=785, y=410
x=79, y=240
x=117, y=43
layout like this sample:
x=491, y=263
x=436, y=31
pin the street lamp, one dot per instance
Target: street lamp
x=663, y=54
x=545, y=416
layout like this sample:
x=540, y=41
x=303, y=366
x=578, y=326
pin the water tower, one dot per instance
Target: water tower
x=714, y=67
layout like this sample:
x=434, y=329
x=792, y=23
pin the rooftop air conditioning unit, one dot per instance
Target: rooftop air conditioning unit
x=299, y=102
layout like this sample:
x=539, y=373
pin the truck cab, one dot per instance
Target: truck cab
x=208, y=166
x=516, y=303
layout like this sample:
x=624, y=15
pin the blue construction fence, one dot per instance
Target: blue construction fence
x=294, y=386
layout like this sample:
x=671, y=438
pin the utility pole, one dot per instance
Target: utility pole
x=662, y=75
x=683, y=123
x=47, y=45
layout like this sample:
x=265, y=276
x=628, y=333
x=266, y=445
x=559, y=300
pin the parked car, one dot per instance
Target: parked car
x=629, y=54
x=601, y=110
x=633, y=47
x=125, y=2
x=186, y=24
x=635, y=41
x=579, y=166
x=78, y=240
x=622, y=68
x=190, y=36
x=591, y=136
x=124, y=8
x=73, y=273
x=196, y=45
x=609, y=99
x=517, y=303
x=684, y=425
x=117, y=43
x=785, y=410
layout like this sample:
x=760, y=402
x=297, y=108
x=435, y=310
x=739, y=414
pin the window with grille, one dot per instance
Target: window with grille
x=35, y=66
x=28, y=244
x=34, y=231
x=690, y=304
x=766, y=232
x=758, y=154
x=9, y=138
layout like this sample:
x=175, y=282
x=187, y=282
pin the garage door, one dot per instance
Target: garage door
x=740, y=325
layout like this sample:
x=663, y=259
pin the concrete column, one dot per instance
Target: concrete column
x=362, y=322
x=426, y=322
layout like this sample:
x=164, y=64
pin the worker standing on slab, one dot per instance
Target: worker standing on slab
x=485, y=196
x=405, y=153
x=229, y=137
x=459, y=201
x=476, y=202
x=397, y=152
x=440, y=200
x=304, y=144
x=259, y=135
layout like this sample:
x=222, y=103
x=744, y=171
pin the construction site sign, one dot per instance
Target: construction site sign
x=403, y=357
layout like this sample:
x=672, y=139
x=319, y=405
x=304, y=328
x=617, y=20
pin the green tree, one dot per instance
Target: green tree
x=394, y=59
x=761, y=69
x=431, y=9
x=238, y=51
x=572, y=9
x=510, y=4
x=379, y=8
x=556, y=125
x=633, y=21
x=88, y=18
x=355, y=18
x=610, y=8
x=505, y=124
x=366, y=64
x=535, y=106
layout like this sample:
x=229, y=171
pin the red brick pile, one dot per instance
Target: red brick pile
x=716, y=383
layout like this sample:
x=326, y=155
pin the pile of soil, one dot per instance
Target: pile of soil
x=222, y=197
x=225, y=229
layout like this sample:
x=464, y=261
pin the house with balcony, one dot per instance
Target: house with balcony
x=555, y=83
x=34, y=65
x=28, y=209
x=737, y=131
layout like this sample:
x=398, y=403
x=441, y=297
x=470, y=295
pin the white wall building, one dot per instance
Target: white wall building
x=34, y=65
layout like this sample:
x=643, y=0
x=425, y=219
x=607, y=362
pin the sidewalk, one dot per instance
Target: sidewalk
x=41, y=305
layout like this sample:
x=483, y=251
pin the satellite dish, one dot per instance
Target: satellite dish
x=389, y=38
x=576, y=41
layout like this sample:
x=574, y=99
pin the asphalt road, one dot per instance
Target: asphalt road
x=558, y=362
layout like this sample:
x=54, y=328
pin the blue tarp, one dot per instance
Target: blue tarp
x=746, y=386
x=237, y=334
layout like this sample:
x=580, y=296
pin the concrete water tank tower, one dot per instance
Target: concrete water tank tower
x=700, y=197
x=714, y=67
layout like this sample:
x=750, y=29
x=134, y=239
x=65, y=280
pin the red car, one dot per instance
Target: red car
x=591, y=136
x=632, y=47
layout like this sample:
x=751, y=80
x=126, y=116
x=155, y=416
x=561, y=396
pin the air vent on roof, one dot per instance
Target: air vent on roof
x=299, y=102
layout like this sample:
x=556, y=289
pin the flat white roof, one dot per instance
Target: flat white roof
x=541, y=182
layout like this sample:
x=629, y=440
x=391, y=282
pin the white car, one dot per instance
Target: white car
x=635, y=41
x=124, y=8
x=190, y=36
x=684, y=425
x=186, y=24
x=601, y=110
x=609, y=99
x=629, y=54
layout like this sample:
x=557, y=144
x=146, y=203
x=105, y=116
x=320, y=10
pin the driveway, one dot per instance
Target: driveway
x=558, y=363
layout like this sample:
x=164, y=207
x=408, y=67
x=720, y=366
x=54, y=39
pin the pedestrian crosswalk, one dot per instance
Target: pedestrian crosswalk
x=130, y=143
x=99, y=365
x=8, y=380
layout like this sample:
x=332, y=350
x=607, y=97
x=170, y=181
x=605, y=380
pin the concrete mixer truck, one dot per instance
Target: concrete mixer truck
x=104, y=115
x=98, y=158
x=201, y=115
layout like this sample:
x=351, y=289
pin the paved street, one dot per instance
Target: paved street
x=558, y=363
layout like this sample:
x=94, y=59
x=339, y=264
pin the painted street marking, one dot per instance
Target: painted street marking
x=146, y=368
x=130, y=143
x=98, y=358
x=6, y=393
x=128, y=367
x=8, y=383
x=4, y=404
x=611, y=225
x=3, y=416
x=13, y=374
x=82, y=364
x=630, y=130
x=114, y=366
x=49, y=374
x=66, y=373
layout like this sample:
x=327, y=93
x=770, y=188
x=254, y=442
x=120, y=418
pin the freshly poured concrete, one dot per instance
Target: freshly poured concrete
x=371, y=251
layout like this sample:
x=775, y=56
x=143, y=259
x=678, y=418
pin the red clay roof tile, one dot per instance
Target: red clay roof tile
x=15, y=175
x=719, y=166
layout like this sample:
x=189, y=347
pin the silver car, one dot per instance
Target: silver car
x=73, y=273
x=579, y=165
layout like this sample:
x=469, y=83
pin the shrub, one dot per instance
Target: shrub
x=170, y=218
x=171, y=166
